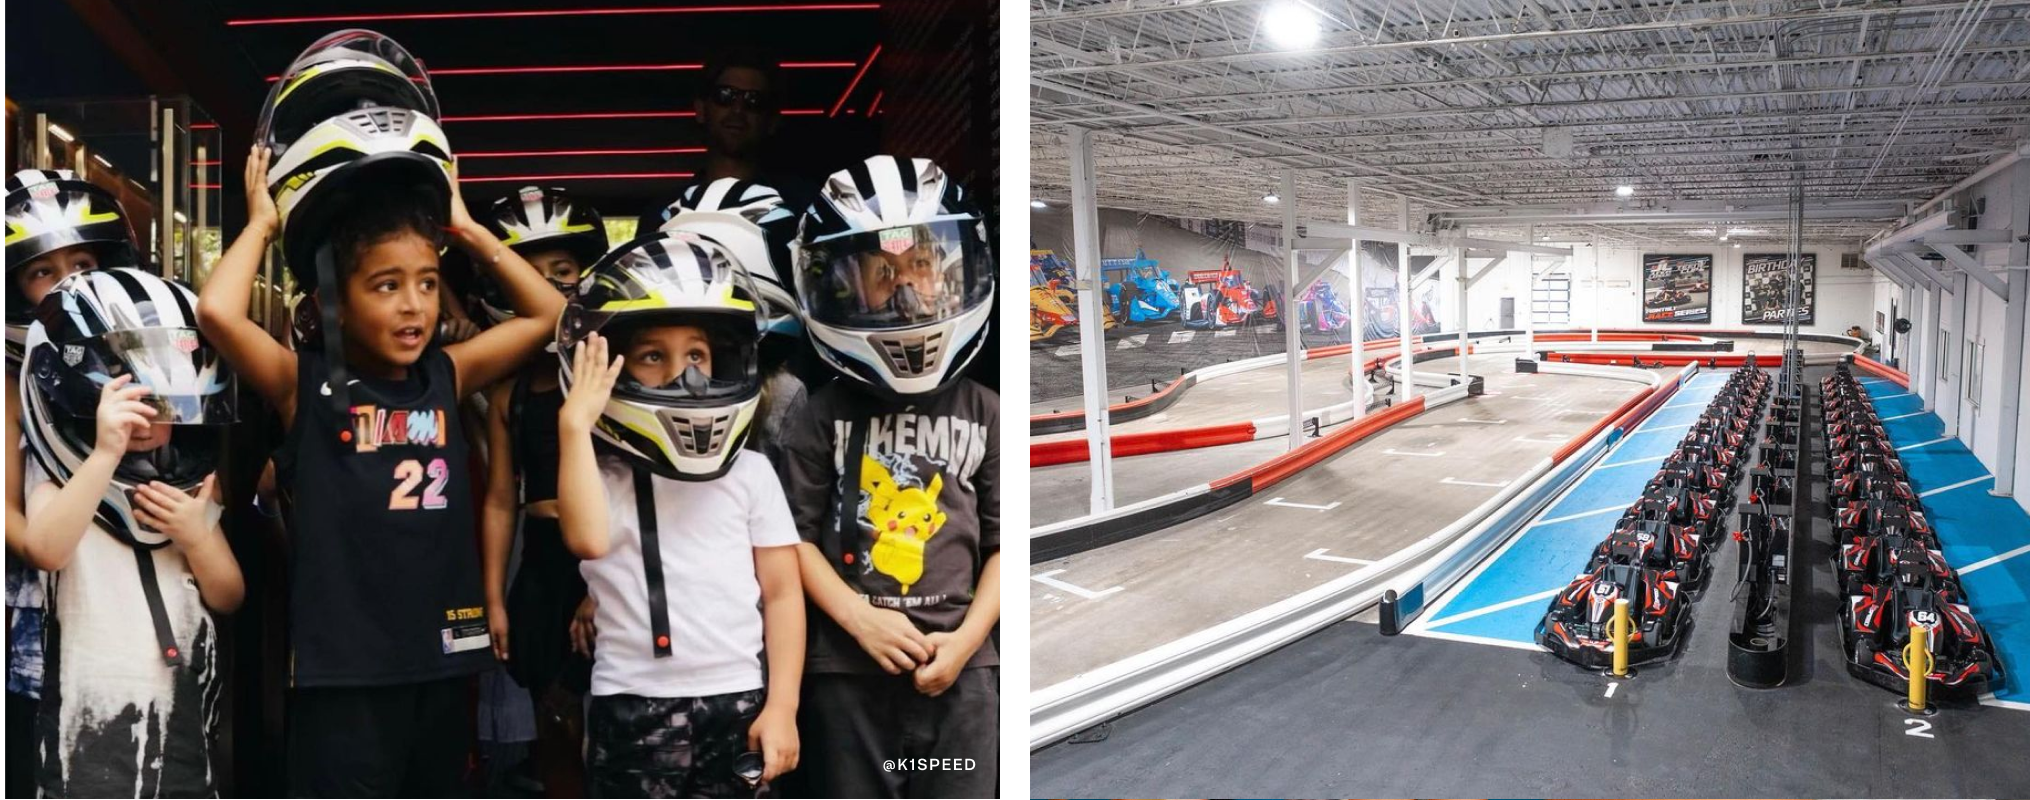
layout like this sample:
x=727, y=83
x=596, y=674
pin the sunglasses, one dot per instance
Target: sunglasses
x=727, y=96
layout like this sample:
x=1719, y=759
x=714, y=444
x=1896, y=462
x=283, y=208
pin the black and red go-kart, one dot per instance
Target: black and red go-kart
x=1577, y=626
x=1879, y=620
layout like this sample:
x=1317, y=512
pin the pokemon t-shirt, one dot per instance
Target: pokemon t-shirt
x=926, y=512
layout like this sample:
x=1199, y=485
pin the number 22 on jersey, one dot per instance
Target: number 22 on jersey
x=411, y=472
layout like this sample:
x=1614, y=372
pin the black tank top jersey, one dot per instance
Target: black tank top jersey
x=532, y=416
x=386, y=582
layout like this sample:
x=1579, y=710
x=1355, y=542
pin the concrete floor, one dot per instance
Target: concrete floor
x=1256, y=393
x=1384, y=493
x=1348, y=712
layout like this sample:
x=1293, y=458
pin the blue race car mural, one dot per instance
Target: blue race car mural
x=1151, y=294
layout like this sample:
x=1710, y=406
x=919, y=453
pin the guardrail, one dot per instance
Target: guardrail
x=1093, y=697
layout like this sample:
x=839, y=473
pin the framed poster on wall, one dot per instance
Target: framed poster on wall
x=1763, y=288
x=1677, y=288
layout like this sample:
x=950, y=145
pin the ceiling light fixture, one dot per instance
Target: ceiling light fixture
x=1624, y=190
x=1039, y=204
x=1290, y=26
x=1271, y=198
x=61, y=133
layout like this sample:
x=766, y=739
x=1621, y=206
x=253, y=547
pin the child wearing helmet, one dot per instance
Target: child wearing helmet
x=758, y=226
x=892, y=475
x=122, y=397
x=388, y=608
x=690, y=553
x=562, y=238
x=57, y=225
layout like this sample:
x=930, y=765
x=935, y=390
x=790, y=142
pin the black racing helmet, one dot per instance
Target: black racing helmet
x=51, y=209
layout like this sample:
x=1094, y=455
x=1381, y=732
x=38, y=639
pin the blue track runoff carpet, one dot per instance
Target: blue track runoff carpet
x=1503, y=601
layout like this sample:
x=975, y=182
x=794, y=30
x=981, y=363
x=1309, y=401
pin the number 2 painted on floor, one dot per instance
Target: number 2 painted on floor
x=1918, y=727
x=411, y=472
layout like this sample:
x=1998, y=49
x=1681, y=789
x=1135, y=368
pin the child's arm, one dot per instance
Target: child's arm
x=490, y=356
x=497, y=518
x=17, y=461
x=774, y=732
x=956, y=648
x=58, y=518
x=581, y=501
x=256, y=357
x=188, y=522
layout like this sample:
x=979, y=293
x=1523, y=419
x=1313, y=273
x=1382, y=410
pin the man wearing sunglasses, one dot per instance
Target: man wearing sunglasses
x=738, y=100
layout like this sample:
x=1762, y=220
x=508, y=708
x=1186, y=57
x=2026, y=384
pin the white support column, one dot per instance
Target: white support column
x=2013, y=334
x=1092, y=340
x=1907, y=308
x=1293, y=347
x=1914, y=362
x=1530, y=295
x=1933, y=361
x=1407, y=388
x=1356, y=303
x=1956, y=311
x=1459, y=255
x=1597, y=289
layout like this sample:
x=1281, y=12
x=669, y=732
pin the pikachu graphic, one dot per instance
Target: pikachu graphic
x=903, y=520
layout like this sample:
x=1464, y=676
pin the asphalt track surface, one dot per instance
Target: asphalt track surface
x=1364, y=503
x=1063, y=491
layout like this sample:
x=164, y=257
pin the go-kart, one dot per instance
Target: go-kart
x=1577, y=626
x=1878, y=623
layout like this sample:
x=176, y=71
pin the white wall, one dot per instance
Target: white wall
x=1844, y=297
x=1978, y=420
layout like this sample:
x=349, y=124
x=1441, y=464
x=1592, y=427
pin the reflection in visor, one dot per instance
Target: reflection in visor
x=898, y=276
x=188, y=383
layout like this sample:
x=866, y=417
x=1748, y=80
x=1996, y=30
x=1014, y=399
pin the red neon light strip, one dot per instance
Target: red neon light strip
x=212, y=163
x=204, y=186
x=562, y=12
x=437, y=73
x=876, y=104
x=203, y=126
x=645, y=151
x=856, y=80
x=581, y=176
x=793, y=112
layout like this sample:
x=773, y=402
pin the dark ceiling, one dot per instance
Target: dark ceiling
x=499, y=67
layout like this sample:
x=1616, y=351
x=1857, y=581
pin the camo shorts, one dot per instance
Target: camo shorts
x=668, y=746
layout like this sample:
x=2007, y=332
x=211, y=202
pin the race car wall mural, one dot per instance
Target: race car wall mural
x=1677, y=288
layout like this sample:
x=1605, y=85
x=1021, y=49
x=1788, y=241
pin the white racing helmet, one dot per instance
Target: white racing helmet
x=49, y=210
x=692, y=425
x=534, y=219
x=895, y=275
x=96, y=326
x=751, y=221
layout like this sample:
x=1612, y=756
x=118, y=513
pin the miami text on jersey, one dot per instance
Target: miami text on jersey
x=374, y=427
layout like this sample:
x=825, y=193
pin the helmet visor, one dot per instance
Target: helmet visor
x=189, y=383
x=898, y=277
x=686, y=358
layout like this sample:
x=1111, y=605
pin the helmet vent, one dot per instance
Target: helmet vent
x=702, y=435
x=912, y=356
x=380, y=120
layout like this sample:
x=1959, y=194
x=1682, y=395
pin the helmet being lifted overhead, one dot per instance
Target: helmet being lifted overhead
x=895, y=275
x=354, y=109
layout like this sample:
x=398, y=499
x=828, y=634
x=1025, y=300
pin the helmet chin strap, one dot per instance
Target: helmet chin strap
x=334, y=346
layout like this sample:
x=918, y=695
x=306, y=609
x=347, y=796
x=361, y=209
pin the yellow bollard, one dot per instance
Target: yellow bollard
x=1621, y=628
x=1917, y=661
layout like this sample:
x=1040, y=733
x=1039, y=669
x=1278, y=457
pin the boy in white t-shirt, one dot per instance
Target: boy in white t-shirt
x=678, y=706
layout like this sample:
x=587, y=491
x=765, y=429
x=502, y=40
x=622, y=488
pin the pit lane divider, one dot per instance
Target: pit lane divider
x=1892, y=374
x=1059, y=710
x=1526, y=497
x=1092, y=531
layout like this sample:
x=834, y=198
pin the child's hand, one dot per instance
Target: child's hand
x=121, y=415
x=497, y=629
x=950, y=652
x=591, y=387
x=261, y=213
x=185, y=519
x=889, y=636
x=461, y=217
x=774, y=735
x=583, y=632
